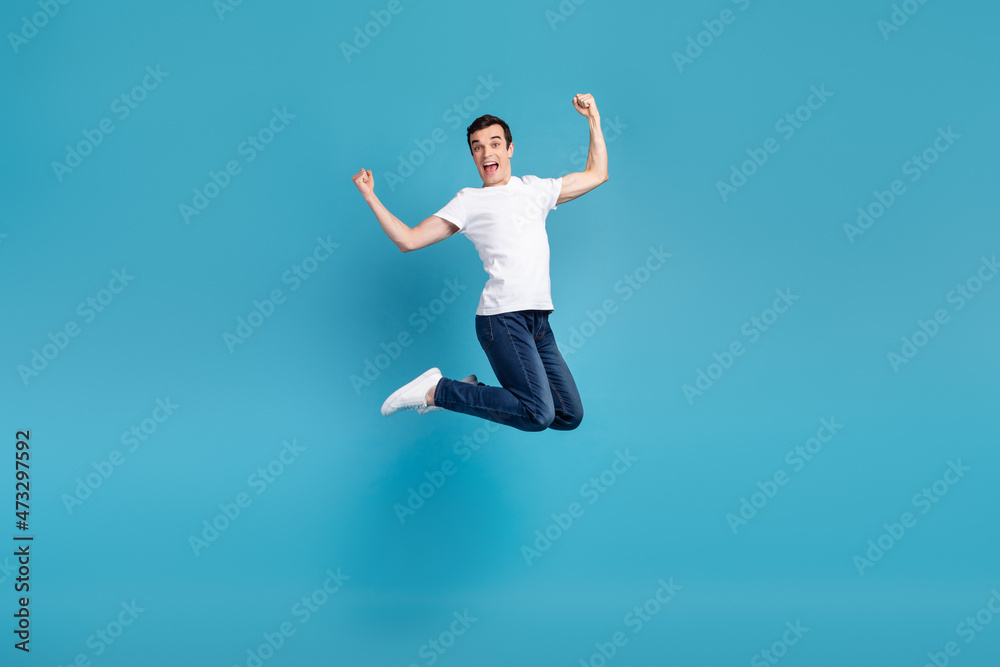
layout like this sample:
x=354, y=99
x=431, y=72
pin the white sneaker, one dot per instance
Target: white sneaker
x=472, y=379
x=412, y=395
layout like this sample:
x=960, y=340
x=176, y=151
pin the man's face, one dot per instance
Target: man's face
x=488, y=149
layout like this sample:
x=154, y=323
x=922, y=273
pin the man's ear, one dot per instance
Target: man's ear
x=510, y=150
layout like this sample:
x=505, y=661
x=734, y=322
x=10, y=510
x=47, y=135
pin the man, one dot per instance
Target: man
x=505, y=219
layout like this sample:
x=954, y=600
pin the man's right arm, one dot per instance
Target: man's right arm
x=430, y=231
x=407, y=239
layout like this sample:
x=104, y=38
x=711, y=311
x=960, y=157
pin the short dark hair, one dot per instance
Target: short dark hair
x=484, y=122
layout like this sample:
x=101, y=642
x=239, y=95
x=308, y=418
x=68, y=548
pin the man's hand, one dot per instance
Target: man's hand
x=585, y=104
x=365, y=182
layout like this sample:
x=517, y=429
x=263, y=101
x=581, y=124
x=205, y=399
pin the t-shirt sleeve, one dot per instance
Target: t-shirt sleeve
x=454, y=212
x=548, y=189
x=554, y=188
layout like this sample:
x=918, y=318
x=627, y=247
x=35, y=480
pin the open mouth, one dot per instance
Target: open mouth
x=490, y=167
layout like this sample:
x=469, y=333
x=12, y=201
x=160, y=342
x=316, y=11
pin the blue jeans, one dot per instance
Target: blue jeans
x=537, y=392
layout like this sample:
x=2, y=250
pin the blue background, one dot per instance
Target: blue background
x=673, y=133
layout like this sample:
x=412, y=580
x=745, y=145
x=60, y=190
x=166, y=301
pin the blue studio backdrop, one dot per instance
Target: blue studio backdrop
x=780, y=310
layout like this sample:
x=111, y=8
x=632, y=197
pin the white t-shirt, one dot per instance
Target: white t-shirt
x=507, y=225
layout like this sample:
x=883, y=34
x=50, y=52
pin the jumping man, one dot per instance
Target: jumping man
x=505, y=219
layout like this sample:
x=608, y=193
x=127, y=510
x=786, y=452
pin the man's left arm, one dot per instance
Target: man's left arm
x=596, y=172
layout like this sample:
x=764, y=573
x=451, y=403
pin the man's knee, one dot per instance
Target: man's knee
x=573, y=420
x=542, y=418
x=568, y=422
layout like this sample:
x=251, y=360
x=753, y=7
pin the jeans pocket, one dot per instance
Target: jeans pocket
x=484, y=330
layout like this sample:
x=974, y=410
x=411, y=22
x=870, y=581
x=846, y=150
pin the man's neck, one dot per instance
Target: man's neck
x=498, y=184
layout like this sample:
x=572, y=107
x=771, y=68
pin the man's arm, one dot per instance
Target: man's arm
x=430, y=231
x=596, y=172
